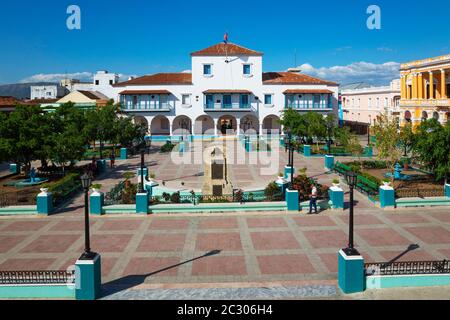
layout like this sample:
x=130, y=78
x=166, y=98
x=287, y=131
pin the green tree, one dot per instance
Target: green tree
x=433, y=147
x=22, y=135
x=407, y=139
x=388, y=140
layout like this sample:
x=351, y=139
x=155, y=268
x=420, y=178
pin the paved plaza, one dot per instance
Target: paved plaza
x=224, y=255
x=214, y=250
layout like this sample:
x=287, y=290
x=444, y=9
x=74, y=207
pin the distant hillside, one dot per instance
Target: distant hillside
x=21, y=90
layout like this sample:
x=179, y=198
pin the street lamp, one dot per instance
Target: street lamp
x=141, y=185
x=86, y=183
x=351, y=179
x=290, y=146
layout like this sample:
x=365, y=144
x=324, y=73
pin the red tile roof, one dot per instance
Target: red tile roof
x=293, y=78
x=230, y=49
x=159, y=79
x=7, y=101
x=138, y=92
x=300, y=91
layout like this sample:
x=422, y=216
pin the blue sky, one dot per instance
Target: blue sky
x=142, y=37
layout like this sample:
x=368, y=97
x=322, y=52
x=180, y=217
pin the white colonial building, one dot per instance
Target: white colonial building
x=226, y=89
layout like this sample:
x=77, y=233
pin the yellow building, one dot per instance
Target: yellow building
x=425, y=90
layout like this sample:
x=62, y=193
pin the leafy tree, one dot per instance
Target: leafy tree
x=388, y=139
x=433, y=147
x=22, y=135
x=407, y=138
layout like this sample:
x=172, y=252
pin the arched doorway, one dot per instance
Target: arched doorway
x=447, y=117
x=204, y=125
x=227, y=125
x=272, y=124
x=160, y=126
x=436, y=115
x=141, y=121
x=249, y=124
x=408, y=116
x=424, y=116
x=181, y=125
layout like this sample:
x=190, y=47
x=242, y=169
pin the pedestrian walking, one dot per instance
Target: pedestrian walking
x=113, y=158
x=313, y=200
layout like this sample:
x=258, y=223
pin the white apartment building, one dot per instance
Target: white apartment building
x=365, y=104
x=101, y=82
x=226, y=89
x=46, y=92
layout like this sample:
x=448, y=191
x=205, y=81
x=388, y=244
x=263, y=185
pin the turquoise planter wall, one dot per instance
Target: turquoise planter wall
x=387, y=197
x=123, y=154
x=351, y=277
x=88, y=279
x=44, y=203
x=142, y=203
x=292, y=201
x=37, y=291
x=307, y=151
x=96, y=202
x=447, y=190
x=383, y=282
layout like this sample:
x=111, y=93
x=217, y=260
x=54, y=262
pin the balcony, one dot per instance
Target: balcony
x=310, y=107
x=227, y=107
x=146, y=107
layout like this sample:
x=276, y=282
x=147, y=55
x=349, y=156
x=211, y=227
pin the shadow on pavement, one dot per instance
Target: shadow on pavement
x=131, y=281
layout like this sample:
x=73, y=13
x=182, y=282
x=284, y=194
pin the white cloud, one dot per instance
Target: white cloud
x=56, y=77
x=376, y=74
x=385, y=49
x=186, y=71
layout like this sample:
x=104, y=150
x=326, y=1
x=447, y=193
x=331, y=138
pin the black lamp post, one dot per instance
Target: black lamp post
x=86, y=183
x=141, y=185
x=290, y=147
x=329, y=138
x=351, y=179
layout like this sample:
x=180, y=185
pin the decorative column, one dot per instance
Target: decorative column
x=431, y=85
x=420, y=86
x=329, y=162
x=443, y=85
x=336, y=197
x=387, y=197
x=216, y=122
x=96, y=200
x=447, y=190
x=238, y=127
x=414, y=86
x=403, y=86
x=44, y=202
x=123, y=154
x=425, y=93
x=88, y=278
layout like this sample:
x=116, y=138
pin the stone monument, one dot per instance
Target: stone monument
x=216, y=180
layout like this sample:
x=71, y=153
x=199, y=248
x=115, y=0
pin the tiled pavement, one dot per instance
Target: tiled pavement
x=228, y=248
x=222, y=250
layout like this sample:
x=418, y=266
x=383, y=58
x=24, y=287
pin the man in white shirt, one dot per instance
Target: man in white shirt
x=313, y=200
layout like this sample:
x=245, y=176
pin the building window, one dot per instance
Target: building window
x=135, y=101
x=97, y=82
x=209, y=102
x=244, y=101
x=268, y=99
x=111, y=82
x=370, y=103
x=316, y=101
x=226, y=101
x=207, y=69
x=186, y=99
x=247, y=69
